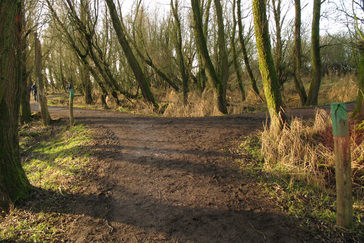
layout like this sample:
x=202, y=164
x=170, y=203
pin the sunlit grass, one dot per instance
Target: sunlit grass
x=55, y=159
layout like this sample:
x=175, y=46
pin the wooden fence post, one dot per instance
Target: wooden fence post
x=340, y=127
x=71, y=107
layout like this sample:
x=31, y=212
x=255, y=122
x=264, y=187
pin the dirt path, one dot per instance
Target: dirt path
x=172, y=180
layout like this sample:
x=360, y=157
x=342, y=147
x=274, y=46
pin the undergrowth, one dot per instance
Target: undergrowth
x=296, y=167
x=55, y=160
x=203, y=103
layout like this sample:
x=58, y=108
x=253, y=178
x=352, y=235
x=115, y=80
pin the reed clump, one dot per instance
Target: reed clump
x=305, y=150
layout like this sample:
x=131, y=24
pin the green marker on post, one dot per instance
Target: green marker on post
x=340, y=129
x=72, y=93
x=340, y=124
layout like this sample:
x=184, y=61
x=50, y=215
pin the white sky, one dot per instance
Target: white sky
x=329, y=22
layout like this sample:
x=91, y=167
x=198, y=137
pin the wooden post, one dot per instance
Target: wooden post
x=340, y=127
x=71, y=107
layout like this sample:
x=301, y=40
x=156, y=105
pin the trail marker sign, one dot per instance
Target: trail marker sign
x=340, y=128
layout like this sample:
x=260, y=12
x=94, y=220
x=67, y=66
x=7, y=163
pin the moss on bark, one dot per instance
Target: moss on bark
x=14, y=184
x=266, y=66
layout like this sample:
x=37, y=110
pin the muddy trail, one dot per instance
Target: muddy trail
x=160, y=179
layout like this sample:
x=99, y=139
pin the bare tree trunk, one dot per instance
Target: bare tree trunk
x=217, y=83
x=14, y=184
x=235, y=55
x=25, y=111
x=223, y=66
x=133, y=62
x=248, y=68
x=266, y=66
x=40, y=83
x=178, y=46
x=297, y=54
x=313, y=93
x=279, y=42
x=85, y=73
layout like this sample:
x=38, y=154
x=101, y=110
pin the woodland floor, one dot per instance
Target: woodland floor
x=156, y=179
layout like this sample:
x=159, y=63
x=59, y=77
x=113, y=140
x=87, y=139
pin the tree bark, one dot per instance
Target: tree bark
x=14, y=184
x=279, y=42
x=179, y=51
x=25, y=111
x=85, y=73
x=235, y=55
x=40, y=83
x=297, y=54
x=223, y=66
x=248, y=68
x=202, y=46
x=133, y=62
x=313, y=93
x=266, y=66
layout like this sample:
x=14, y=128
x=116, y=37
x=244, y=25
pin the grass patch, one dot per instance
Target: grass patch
x=296, y=167
x=56, y=156
x=55, y=159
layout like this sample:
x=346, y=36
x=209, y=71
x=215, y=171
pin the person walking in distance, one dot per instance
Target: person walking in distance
x=34, y=89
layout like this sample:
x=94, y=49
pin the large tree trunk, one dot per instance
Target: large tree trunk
x=40, y=83
x=133, y=62
x=14, y=184
x=313, y=93
x=266, y=66
x=86, y=83
x=223, y=65
x=297, y=54
x=217, y=83
x=25, y=111
x=85, y=73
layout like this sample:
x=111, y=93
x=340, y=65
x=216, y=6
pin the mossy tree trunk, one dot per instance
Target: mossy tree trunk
x=216, y=80
x=313, y=93
x=297, y=54
x=14, y=184
x=266, y=66
x=40, y=82
x=132, y=61
x=179, y=51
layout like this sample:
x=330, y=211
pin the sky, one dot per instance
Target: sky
x=329, y=21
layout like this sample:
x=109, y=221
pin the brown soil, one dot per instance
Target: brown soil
x=172, y=180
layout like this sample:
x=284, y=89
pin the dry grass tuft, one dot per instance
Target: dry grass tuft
x=306, y=152
x=199, y=104
x=338, y=89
